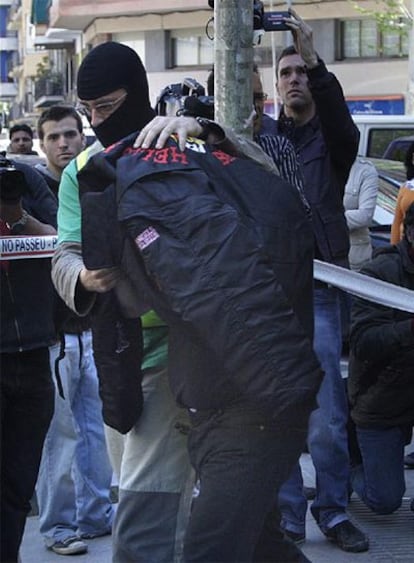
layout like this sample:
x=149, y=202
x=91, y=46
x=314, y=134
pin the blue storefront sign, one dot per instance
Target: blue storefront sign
x=389, y=105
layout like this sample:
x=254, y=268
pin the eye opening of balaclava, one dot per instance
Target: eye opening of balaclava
x=109, y=67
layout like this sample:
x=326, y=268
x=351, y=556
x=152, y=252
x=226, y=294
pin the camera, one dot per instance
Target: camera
x=269, y=21
x=185, y=98
x=198, y=106
x=12, y=182
x=273, y=21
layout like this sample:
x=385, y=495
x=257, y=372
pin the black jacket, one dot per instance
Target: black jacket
x=326, y=146
x=27, y=294
x=221, y=250
x=381, y=368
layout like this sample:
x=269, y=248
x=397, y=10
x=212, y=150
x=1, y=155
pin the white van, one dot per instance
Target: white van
x=377, y=131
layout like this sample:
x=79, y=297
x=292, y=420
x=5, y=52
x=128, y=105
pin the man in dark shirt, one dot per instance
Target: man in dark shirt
x=315, y=117
x=27, y=331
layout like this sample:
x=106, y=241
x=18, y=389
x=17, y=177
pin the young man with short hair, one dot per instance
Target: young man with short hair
x=314, y=115
x=60, y=132
x=73, y=488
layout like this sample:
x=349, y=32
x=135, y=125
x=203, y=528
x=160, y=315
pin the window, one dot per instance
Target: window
x=379, y=139
x=270, y=41
x=191, y=47
x=135, y=40
x=363, y=39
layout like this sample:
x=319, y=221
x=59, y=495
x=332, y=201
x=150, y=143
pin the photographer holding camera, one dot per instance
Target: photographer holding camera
x=27, y=207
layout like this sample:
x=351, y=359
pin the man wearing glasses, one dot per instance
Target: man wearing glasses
x=156, y=479
x=102, y=109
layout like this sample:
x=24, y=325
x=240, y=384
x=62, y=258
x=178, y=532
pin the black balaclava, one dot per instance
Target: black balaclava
x=107, y=68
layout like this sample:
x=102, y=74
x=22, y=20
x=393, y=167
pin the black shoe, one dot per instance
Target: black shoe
x=297, y=537
x=409, y=461
x=347, y=537
x=309, y=492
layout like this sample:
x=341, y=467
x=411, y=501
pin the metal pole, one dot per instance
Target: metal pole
x=233, y=64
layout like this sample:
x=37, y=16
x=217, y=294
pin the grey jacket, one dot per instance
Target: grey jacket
x=359, y=201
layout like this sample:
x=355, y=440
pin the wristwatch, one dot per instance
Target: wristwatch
x=208, y=127
x=205, y=125
x=17, y=227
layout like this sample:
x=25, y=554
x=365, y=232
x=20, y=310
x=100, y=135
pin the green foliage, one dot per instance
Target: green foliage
x=391, y=16
x=43, y=68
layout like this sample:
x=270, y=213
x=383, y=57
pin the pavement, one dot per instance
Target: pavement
x=391, y=536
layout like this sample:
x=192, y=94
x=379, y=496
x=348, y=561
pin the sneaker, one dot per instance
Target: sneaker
x=409, y=461
x=297, y=537
x=347, y=537
x=69, y=546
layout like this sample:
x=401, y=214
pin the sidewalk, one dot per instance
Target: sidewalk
x=391, y=537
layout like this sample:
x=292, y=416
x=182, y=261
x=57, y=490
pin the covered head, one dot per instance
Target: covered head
x=109, y=67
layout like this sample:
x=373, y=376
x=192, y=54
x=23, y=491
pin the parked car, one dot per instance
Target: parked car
x=391, y=176
x=397, y=149
x=377, y=132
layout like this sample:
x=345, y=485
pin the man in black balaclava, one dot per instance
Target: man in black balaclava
x=114, y=95
x=155, y=470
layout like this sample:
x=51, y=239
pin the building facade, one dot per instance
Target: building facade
x=174, y=39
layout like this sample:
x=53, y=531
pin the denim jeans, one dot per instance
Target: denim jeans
x=26, y=409
x=156, y=479
x=75, y=474
x=327, y=436
x=241, y=458
x=379, y=480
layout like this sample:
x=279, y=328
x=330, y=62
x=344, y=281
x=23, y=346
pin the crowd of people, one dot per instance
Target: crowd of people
x=177, y=338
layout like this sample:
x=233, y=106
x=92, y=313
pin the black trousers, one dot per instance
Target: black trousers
x=26, y=409
x=241, y=458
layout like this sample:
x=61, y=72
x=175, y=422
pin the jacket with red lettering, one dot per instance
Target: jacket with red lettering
x=222, y=250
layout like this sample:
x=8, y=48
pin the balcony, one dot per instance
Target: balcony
x=57, y=38
x=79, y=14
x=48, y=91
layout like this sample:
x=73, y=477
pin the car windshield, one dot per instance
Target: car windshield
x=397, y=148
